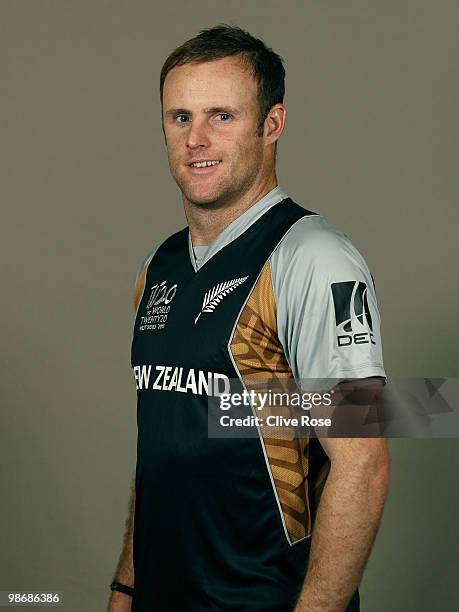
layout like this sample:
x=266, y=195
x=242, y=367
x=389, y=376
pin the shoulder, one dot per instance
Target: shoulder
x=318, y=240
x=139, y=283
x=314, y=246
x=169, y=243
x=145, y=262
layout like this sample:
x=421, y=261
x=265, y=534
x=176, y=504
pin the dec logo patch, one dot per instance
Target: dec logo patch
x=352, y=314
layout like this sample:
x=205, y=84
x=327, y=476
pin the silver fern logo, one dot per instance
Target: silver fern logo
x=213, y=297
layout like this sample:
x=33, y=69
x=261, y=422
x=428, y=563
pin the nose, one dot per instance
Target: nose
x=197, y=135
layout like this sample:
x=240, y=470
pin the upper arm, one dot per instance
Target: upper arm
x=358, y=414
x=139, y=287
x=327, y=313
x=329, y=326
x=141, y=277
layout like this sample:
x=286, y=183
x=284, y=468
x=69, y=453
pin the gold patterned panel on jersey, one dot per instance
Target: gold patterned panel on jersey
x=260, y=359
x=139, y=287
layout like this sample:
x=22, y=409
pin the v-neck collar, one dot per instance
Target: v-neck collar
x=238, y=226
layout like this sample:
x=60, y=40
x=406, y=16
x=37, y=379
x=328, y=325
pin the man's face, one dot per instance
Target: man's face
x=210, y=114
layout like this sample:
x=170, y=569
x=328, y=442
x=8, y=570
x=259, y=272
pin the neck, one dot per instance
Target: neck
x=206, y=224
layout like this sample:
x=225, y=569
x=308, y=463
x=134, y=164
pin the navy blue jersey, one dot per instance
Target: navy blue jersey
x=225, y=523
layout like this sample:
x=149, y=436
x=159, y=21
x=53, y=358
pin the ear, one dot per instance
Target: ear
x=274, y=123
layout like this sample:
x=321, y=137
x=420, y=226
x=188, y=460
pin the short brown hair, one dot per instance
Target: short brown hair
x=224, y=41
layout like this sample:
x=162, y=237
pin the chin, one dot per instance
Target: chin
x=203, y=202
x=203, y=197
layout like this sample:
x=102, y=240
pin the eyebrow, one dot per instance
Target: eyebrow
x=173, y=112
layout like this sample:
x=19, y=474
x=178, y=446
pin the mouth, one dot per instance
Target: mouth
x=203, y=165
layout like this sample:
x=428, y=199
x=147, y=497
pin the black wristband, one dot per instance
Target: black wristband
x=123, y=588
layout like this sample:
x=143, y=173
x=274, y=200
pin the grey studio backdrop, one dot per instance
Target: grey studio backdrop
x=371, y=143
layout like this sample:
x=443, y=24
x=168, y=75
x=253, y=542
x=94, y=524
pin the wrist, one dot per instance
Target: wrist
x=119, y=587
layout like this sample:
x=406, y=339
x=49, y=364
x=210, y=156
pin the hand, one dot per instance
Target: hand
x=119, y=602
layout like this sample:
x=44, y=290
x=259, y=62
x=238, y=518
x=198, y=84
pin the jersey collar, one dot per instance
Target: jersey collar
x=238, y=226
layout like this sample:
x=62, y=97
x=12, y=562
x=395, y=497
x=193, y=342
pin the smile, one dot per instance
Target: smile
x=204, y=163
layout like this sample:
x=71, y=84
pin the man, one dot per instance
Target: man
x=255, y=287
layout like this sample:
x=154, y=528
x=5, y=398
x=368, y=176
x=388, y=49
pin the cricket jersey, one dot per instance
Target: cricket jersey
x=224, y=523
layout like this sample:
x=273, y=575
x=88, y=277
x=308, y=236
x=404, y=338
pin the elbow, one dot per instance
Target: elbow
x=361, y=462
x=372, y=464
x=378, y=473
x=381, y=472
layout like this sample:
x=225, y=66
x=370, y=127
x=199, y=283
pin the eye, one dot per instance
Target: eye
x=224, y=117
x=182, y=118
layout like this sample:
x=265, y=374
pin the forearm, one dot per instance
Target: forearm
x=346, y=524
x=125, y=568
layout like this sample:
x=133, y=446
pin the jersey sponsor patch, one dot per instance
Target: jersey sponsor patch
x=352, y=313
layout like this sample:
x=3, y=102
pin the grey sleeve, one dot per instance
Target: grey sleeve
x=327, y=313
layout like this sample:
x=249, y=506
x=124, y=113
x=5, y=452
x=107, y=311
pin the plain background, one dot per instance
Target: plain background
x=371, y=143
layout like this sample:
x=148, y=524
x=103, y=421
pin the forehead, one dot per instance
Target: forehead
x=206, y=84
